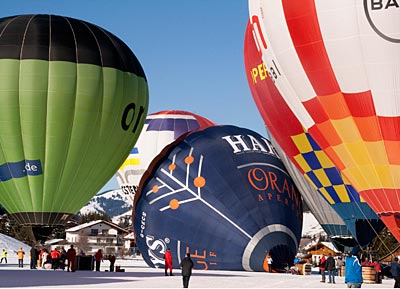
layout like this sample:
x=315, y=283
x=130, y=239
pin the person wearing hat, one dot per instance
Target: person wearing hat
x=353, y=275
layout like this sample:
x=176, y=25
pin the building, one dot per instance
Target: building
x=319, y=249
x=130, y=245
x=95, y=235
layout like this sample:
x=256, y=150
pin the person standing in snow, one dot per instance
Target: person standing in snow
x=20, y=254
x=269, y=261
x=55, y=258
x=339, y=264
x=168, y=262
x=33, y=257
x=395, y=269
x=353, y=277
x=71, y=254
x=98, y=257
x=111, y=258
x=187, y=266
x=45, y=256
x=330, y=267
x=3, y=256
x=322, y=268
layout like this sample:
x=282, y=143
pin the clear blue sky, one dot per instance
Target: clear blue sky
x=191, y=51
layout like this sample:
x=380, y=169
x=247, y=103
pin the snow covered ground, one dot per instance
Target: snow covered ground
x=138, y=275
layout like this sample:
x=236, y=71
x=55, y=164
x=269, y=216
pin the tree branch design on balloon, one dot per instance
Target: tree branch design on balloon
x=184, y=186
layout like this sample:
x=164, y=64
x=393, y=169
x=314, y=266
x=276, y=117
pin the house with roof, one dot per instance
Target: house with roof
x=95, y=235
x=316, y=250
x=130, y=244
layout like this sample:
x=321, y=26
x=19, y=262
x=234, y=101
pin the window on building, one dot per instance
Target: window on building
x=94, y=231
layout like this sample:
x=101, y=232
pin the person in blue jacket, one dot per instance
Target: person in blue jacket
x=353, y=277
x=395, y=269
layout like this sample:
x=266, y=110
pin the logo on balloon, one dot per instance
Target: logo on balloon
x=143, y=224
x=249, y=143
x=156, y=250
x=128, y=117
x=20, y=169
x=274, y=187
x=377, y=12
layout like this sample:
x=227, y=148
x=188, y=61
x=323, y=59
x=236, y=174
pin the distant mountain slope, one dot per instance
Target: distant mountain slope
x=113, y=203
x=311, y=227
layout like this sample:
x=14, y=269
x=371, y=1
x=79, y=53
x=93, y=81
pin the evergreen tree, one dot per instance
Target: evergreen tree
x=93, y=216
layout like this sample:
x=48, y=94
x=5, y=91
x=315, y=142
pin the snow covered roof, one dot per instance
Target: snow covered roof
x=92, y=223
x=53, y=241
x=130, y=236
x=329, y=245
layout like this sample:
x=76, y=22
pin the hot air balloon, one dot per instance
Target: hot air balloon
x=73, y=102
x=223, y=195
x=160, y=129
x=327, y=217
x=336, y=65
x=306, y=155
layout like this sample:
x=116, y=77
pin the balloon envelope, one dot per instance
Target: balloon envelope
x=327, y=217
x=73, y=101
x=159, y=130
x=223, y=195
x=304, y=152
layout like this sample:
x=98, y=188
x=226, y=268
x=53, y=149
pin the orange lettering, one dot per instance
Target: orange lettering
x=273, y=178
x=204, y=263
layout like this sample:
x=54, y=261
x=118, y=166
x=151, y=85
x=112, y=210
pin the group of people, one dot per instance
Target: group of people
x=328, y=265
x=186, y=265
x=55, y=259
x=353, y=271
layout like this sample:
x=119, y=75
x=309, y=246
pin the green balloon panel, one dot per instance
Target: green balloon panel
x=65, y=128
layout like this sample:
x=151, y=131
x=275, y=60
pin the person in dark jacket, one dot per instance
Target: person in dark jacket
x=353, y=276
x=330, y=267
x=111, y=258
x=33, y=254
x=395, y=268
x=186, y=265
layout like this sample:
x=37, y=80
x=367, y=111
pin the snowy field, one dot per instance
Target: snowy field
x=138, y=275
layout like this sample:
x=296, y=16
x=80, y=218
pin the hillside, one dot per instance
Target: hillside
x=113, y=203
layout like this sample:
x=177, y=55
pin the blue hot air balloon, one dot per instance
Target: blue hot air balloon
x=223, y=195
